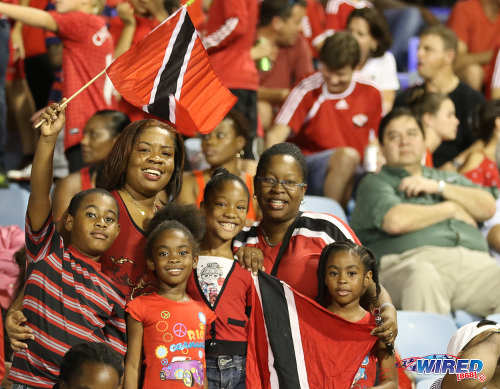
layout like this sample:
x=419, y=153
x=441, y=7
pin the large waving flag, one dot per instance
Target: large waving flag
x=295, y=343
x=167, y=74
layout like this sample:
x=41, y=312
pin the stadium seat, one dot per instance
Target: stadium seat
x=462, y=318
x=323, y=204
x=494, y=317
x=14, y=202
x=194, y=154
x=412, y=54
x=421, y=334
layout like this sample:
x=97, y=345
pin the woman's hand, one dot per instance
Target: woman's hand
x=53, y=119
x=17, y=331
x=250, y=258
x=388, y=329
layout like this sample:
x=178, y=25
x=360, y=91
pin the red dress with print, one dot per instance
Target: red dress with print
x=486, y=174
x=173, y=340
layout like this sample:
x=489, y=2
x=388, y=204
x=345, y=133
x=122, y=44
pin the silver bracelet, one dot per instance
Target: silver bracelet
x=441, y=186
x=386, y=305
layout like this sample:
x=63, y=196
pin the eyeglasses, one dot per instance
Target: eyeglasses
x=269, y=182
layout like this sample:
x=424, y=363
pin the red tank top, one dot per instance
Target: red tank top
x=200, y=181
x=125, y=261
x=86, y=178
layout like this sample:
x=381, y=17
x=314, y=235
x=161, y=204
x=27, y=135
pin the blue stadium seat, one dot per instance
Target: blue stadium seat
x=323, y=204
x=412, y=54
x=425, y=384
x=421, y=334
x=494, y=317
x=13, y=204
x=462, y=318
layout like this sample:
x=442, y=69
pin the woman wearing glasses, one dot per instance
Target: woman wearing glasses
x=288, y=243
x=223, y=147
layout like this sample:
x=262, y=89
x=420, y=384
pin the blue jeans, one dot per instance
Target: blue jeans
x=403, y=23
x=4, y=60
x=226, y=372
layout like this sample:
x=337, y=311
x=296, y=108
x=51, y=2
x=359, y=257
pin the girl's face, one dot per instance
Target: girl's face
x=346, y=278
x=173, y=259
x=97, y=141
x=151, y=162
x=444, y=121
x=226, y=210
x=280, y=203
x=360, y=29
x=222, y=144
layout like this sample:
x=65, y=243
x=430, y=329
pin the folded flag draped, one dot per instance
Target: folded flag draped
x=168, y=74
x=295, y=343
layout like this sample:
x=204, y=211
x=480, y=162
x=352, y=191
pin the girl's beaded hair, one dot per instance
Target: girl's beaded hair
x=364, y=254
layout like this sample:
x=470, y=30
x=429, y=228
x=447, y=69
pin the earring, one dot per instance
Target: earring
x=240, y=154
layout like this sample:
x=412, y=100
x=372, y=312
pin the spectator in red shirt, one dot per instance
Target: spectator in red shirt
x=88, y=49
x=230, y=34
x=330, y=115
x=291, y=59
x=477, y=25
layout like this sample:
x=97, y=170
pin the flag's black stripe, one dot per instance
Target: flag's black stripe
x=168, y=79
x=277, y=320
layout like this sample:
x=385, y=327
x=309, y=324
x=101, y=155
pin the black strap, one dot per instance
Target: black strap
x=284, y=245
x=225, y=347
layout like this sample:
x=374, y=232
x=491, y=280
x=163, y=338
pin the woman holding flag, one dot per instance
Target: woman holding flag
x=287, y=243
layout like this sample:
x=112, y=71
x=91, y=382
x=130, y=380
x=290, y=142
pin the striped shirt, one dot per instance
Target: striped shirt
x=67, y=301
x=298, y=266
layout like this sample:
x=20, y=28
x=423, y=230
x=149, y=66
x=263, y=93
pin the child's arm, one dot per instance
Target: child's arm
x=134, y=354
x=388, y=377
x=39, y=205
x=28, y=15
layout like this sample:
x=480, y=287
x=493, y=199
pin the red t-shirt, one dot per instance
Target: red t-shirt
x=338, y=11
x=87, y=50
x=474, y=28
x=173, y=340
x=231, y=32
x=321, y=120
x=313, y=23
x=366, y=374
x=292, y=64
x=34, y=37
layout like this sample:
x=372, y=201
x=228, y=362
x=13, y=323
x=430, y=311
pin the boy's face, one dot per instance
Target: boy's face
x=94, y=376
x=336, y=80
x=95, y=226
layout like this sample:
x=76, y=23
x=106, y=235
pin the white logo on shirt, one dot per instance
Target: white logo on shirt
x=342, y=104
x=100, y=36
x=360, y=119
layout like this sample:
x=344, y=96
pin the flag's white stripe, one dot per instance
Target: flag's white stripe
x=168, y=52
x=180, y=79
x=324, y=216
x=171, y=106
x=297, y=341
x=495, y=82
x=222, y=33
x=273, y=376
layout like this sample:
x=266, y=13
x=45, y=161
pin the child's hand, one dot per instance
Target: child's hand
x=53, y=118
x=126, y=13
x=17, y=331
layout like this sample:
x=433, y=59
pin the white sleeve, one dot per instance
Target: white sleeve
x=495, y=81
x=387, y=77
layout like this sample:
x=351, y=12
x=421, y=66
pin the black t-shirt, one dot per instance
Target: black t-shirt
x=466, y=101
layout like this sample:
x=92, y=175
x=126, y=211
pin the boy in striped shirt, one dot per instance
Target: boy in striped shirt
x=67, y=299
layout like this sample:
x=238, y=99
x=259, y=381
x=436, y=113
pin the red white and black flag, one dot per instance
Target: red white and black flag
x=168, y=75
x=295, y=343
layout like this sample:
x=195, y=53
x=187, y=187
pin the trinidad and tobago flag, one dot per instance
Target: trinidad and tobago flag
x=294, y=343
x=167, y=74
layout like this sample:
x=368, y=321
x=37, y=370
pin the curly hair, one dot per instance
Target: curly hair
x=114, y=169
x=379, y=29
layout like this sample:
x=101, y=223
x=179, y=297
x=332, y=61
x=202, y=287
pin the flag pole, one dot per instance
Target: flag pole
x=37, y=125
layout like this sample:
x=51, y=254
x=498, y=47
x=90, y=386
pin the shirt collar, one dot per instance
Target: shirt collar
x=82, y=257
